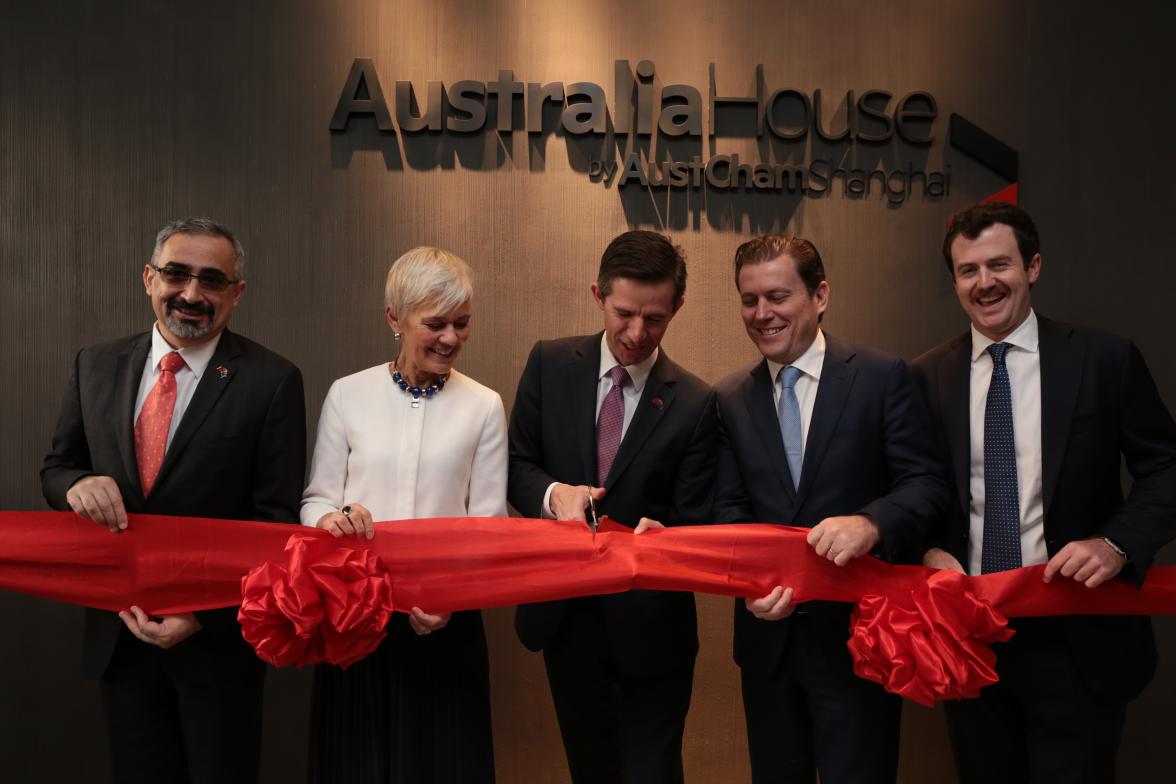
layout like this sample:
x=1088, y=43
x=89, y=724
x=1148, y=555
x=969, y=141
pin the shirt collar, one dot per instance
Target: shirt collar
x=1023, y=337
x=639, y=373
x=809, y=363
x=195, y=357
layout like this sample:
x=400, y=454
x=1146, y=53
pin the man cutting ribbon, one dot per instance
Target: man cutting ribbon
x=611, y=418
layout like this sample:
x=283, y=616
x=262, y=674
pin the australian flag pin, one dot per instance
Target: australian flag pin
x=222, y=371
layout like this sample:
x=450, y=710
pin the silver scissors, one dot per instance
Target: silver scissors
x=593, y=523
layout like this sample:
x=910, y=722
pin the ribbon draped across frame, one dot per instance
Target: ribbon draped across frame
x=306, y=597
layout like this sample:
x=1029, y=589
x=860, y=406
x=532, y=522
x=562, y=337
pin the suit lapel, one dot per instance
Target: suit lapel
x=761, y=408
x=955, y=385
x=659, y=385
x=836, y=380
x=212, y=385
x=128, y=375
x=582, y=380
x=1062, y=362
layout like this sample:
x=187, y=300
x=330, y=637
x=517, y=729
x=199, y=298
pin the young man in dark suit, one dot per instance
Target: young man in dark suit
x=832, y=436
x=187, y=419
x=611, y=417
x=1032, y=416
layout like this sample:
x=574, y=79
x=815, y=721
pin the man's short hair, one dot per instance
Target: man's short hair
x=772, y=246
x=644, y=256
x=198, y=224
x=970, y=222
x=426, y=276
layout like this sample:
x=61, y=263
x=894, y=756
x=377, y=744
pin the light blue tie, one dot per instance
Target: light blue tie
x=789, y=413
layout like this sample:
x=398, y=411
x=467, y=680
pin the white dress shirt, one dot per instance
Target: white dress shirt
x=446, y=458
x=1023, y=361
x=196, y=359
x=631, y=395
x=809, y=364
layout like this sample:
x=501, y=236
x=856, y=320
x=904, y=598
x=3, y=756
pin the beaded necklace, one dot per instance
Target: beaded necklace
x=417, y=392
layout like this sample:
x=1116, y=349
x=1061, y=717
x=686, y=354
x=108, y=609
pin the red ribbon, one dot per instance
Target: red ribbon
x=308, y=598
x=323, y=604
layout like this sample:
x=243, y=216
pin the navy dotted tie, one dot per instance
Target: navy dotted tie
x=1002, y=510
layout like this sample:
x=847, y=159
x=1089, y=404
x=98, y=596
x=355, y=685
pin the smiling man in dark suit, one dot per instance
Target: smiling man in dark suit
x=832, y=436
x=187, y=419
x=1033, y=417
x=611, y=417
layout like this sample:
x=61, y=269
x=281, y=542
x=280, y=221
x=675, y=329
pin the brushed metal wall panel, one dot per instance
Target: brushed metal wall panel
x=115, y=118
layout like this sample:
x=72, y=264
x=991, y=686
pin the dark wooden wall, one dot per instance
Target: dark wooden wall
x=115, y=117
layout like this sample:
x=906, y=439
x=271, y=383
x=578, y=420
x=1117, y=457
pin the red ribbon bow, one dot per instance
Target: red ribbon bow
x=320, y=604
x=932, y=647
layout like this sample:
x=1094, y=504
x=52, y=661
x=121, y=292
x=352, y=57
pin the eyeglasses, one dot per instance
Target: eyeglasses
x=179, y=275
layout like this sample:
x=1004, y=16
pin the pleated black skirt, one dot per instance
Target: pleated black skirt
x=416, y=711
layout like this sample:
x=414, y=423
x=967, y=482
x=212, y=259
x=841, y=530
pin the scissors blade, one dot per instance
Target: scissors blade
x=594, y=523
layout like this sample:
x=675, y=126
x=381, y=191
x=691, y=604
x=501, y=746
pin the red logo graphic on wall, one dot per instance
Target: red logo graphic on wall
x=985, y=148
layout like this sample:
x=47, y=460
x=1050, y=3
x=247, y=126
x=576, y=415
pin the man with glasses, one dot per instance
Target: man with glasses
x=186, y=419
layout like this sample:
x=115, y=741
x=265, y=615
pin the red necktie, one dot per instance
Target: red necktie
x=610, y=423
x=154, y=421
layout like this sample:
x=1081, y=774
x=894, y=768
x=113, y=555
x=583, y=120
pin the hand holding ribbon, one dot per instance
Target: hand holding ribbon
x=306, y=597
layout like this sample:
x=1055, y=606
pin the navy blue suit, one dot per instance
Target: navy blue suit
x=869, y=452
x=1073, y=675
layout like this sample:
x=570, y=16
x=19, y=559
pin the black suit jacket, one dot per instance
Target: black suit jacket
x=868, y=452
x=1098, y=402
x=239, y=453
x=663, y=470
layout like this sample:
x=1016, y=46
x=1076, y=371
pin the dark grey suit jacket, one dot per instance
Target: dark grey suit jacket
x=663, y=470
x=239, y=453
x=1098, y=404
x=868, y=451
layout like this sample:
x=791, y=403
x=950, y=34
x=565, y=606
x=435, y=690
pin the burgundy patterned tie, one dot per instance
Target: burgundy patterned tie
x=610, y=423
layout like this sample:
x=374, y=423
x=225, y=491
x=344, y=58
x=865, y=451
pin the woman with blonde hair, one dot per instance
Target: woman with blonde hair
x=407, y=439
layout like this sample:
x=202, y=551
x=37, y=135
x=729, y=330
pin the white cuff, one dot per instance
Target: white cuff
x=546, y=512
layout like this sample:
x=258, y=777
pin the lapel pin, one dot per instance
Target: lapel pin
x=222, y=371
x=657, y=402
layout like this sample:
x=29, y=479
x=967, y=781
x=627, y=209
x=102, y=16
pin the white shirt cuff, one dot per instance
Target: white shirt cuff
x=546, y=510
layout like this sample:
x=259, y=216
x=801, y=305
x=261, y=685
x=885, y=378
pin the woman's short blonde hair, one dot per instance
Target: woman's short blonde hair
x=426, y=276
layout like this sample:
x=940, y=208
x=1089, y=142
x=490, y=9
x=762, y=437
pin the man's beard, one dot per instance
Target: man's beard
x=188, y=330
